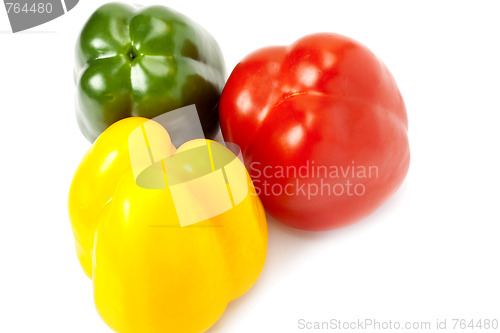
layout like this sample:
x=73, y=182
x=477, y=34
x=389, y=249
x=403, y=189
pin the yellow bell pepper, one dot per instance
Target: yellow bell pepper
x=165, y=256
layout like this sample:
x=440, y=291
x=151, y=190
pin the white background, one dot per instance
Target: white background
x=431, y=252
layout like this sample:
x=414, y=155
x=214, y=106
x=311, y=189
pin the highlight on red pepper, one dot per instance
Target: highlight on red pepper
x=322, y=127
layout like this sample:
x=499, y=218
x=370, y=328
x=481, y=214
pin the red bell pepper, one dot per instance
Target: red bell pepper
x=322, y=127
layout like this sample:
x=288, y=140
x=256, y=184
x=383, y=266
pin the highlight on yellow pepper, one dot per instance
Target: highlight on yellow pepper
x=168, y=236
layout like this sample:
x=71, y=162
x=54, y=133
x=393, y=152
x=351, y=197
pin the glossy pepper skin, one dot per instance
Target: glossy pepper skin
x=150, y=274
x=133, y=61
x=325, y=101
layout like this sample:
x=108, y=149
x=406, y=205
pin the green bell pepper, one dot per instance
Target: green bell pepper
x=133, y=61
